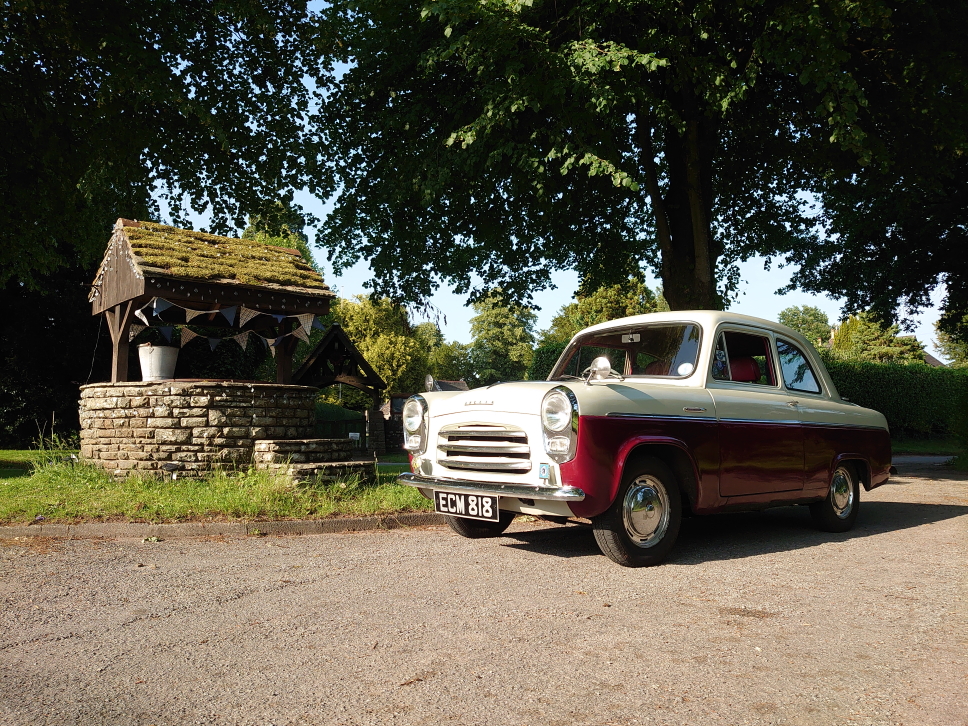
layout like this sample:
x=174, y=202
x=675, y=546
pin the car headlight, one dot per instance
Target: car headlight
x=415, y=425
x=559, y=419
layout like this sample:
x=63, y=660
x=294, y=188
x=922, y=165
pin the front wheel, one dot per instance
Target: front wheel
x=838, y=512
x=479, y=529
x=641, y=526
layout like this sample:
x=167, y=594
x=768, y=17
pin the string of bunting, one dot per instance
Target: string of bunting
x=307, y=322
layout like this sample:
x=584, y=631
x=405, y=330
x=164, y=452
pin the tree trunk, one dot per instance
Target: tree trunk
x=689, y=251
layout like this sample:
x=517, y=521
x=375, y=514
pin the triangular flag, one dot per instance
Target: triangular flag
x=306, y=321
x=187, y=336
x=280, y=318
x=160, y=305
x=133, y=331
x=166, y=331
x=213, y=343
x=246, y=314
x=141, y=314
x=318, y=324
x=229, y=313
x=271, y=342
x=242, y=339
x=301, y=334
x=192, y=314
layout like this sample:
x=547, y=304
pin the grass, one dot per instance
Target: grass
x=939, y=447
x=64, y=492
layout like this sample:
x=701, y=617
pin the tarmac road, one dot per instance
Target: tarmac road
x=756, y=619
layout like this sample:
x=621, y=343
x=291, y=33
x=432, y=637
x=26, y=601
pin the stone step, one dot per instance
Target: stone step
x=304, y=451
x=305, y=472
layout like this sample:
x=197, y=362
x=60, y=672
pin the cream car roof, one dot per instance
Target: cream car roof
x=709, y=319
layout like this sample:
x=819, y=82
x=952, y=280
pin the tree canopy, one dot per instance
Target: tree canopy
x=506, y=139
x=503, y=339
x=811, y=322
x=862, y=338
x=632, y=297
x=108, y=103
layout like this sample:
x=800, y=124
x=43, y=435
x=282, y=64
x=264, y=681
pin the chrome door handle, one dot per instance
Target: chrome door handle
x=693, y=409
x=793, y=404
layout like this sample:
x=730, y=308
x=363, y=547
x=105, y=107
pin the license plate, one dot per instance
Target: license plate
x=471, y=506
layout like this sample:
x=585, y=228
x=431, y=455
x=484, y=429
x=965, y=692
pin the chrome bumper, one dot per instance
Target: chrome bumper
x=559, y=494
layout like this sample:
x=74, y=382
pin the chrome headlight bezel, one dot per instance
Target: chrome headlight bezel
x=415, y=437
x=560, y=434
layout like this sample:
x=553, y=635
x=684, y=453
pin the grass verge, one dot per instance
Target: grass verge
x=938, y=447
x=65, y=492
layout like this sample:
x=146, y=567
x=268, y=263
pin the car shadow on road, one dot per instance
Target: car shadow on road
x=746, y=534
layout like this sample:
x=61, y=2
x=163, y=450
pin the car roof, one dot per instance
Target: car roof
x=708, y=319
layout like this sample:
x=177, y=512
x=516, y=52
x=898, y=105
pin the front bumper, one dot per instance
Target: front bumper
x=458, y=486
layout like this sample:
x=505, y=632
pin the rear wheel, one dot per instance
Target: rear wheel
x=838, y=512
x=479, y=529
x=641, y=526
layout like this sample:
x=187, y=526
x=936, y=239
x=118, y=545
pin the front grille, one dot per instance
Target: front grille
x=484, y=447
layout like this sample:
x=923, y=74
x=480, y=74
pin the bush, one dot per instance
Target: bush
x=918, y=400
x=545, y=357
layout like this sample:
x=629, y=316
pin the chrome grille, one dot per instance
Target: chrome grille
x=484, y=447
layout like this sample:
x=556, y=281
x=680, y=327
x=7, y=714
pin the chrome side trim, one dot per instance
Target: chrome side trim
x=677, y=417
x=561, y=494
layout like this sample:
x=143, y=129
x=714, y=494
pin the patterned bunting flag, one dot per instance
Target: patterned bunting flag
x=271, y=342
x=306, y=321
x=141, y=315
x=229, y=313
x=133, y=331
x=187, y=336
x=246, y=314
x=242, y=339
x=192, y=314
x=301, y=334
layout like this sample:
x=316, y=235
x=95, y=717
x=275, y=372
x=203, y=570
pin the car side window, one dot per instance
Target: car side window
x=744, y=357
x=797, y=373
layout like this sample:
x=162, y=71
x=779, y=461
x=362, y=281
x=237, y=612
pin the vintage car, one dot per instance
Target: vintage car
x=644, y=420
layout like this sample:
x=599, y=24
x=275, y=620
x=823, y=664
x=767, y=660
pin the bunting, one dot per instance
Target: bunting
x=301, y=334
x=192, y=314
x=187, y=336
x=245, y=315
x=134, y=330
x=213, y=343
x=229, y=314
x=306, y=320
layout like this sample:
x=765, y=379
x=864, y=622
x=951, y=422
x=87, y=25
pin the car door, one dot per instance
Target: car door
x=760, y=434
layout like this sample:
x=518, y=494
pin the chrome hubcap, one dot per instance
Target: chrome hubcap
x=645, y=511
x=842, y=493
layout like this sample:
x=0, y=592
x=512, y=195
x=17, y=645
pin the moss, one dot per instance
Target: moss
x=194, y=255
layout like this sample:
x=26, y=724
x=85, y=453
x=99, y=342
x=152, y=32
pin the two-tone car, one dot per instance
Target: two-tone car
x=644, y=420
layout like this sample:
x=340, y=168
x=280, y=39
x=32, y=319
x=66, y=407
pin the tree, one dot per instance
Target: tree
x=503, y=339
x=862, y=337
x=811, y=322
x=104, y=101
x=632, y=297
x=508, y=139
x=952, y=348
x=452, y=362
x=381, y=331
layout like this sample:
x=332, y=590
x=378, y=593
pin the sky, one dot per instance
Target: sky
x=757, y=297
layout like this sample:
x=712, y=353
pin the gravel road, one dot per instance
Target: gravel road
x=757, y=619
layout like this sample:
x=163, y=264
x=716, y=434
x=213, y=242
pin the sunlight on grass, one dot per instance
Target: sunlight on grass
x=67, y=492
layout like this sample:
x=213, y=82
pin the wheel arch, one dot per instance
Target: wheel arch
x=670, y=452
x=858, y=464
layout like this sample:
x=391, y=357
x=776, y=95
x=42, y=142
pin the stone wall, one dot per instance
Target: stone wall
x=188, y=427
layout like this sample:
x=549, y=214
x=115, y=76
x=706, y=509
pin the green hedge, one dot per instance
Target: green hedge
x=544, y=360
x=918, y=400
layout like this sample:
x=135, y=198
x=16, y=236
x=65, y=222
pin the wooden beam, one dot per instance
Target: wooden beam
x=119, y=323
x=284, y=354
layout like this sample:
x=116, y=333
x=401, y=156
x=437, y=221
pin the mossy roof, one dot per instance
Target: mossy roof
x=185, y=254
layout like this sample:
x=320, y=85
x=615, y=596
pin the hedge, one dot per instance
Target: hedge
x=545, y=357
x=918, y=400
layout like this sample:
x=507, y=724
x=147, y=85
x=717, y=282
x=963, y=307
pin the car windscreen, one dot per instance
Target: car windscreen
x=668, y=350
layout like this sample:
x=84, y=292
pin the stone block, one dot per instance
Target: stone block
x=217, y=417
x=235, y=432
x=202, y=401
x=160, y=456
x=192, y=422
x=184, y=456
x=139, y=401
x=161, y=411
x=206, y=432
x=177, y=401
x=139, y=456
x=162, y=423
x=173, y=436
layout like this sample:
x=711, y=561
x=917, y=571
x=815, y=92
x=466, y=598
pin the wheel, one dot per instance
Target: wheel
x=478, y=529
x=641, y=526
x=838, y=512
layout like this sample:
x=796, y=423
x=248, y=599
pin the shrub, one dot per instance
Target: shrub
x=917, y=400
x=545, y=357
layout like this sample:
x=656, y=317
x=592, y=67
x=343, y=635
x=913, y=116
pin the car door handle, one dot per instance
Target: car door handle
x=693, y=409
x=793, y=404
